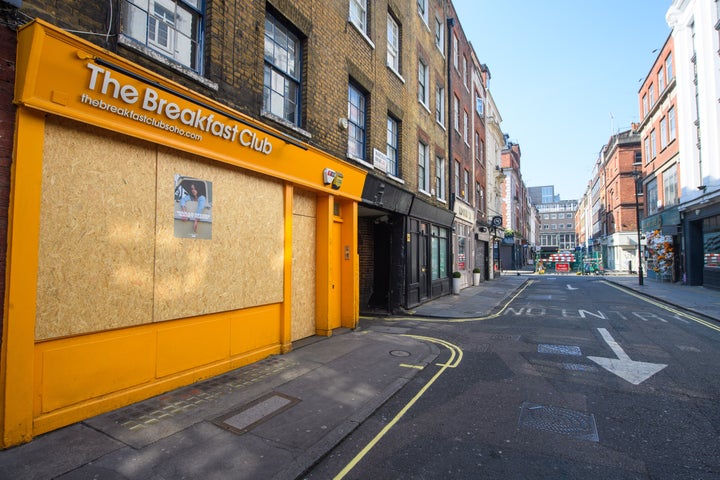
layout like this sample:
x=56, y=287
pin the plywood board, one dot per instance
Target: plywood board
x=241, y=265
x=96, y=245
x=303, y=265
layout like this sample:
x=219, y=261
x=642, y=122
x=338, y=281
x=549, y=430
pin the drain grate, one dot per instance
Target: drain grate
x=251, y=415
x=559, y=349
x=558, y=420
x=579, y=367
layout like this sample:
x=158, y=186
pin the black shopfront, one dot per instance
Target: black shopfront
x=404, y=248
x=701, y=236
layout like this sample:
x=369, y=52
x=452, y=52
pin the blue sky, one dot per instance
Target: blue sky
x=565, y=76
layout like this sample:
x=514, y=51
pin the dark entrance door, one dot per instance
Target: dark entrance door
x=382, y=243
x=418, y=268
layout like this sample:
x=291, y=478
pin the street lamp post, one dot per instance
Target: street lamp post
x=638, y=182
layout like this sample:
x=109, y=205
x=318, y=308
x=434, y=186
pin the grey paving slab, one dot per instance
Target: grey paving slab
x=55, y=453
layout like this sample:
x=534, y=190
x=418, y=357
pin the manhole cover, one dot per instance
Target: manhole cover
x=249, y=416
x=558, y=420
x=559, y=349
x=399, y=353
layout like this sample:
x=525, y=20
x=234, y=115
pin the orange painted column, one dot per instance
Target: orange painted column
x=18, y=341
x=286, y=316
x=322, y=261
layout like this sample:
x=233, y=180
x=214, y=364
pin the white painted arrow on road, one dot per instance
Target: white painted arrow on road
x=570, y=287
x=622, y=366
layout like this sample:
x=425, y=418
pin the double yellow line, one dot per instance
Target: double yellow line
x=456, y=355
x=456, y=320
x=665, y=306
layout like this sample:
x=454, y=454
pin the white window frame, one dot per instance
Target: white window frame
x=465, y=71
x=423, y=10
x=670, y=186
x=440, y=105
x=456, y=113
x=282, y=72
x=357, y=146
x=423, y=167
x=456, y=177
x=672, y=126
x=651, y=95
x=393, y=41
x=358, y=14
x=663, y=133
x=466, y=185
x=456, y=52
x=393, y=145
x=479, y=104
x=182, y=22
x=440, y=178
x=653, y=143
x=466, y=128
x=440, y=35
x=423, y=82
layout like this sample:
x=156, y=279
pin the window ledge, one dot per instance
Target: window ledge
x=397, y=74
x=364, y=35
x=285, y=123
x=128, y=42
x=361, y=161
x=397, y=179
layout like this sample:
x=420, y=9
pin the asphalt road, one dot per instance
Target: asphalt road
x=576, y=378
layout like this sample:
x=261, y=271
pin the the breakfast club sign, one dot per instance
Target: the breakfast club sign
x=108, y=91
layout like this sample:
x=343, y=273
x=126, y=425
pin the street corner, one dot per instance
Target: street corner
x=397, y=343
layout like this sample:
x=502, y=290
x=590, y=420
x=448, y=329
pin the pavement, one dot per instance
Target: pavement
x=276, y=418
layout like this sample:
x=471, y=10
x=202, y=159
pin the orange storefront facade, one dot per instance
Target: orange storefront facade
x=122, y=280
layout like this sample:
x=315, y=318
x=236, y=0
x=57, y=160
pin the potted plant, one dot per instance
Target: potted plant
x=456, y=282
x=476, y=276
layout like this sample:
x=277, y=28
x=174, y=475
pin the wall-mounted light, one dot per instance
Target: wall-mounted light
x=343, y=123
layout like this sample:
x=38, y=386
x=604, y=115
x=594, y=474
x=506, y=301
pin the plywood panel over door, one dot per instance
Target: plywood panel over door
x=303, y=264
x=336, y=283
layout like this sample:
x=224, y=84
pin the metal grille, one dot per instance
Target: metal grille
x=558, y=420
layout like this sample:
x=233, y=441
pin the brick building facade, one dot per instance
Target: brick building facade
x=322, y=135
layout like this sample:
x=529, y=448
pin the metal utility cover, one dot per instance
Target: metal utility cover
x=559, y=420
x=251, y=415
x=559, y=349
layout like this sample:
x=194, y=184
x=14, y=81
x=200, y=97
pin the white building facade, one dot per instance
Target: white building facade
x=695, y=28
